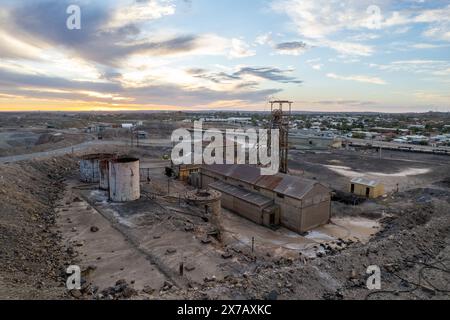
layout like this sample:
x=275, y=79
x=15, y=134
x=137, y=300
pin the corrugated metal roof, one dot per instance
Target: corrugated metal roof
x=295, y=187
x=292, y=186
x=243, y=173
x=250, y=197
x=246, y=173
x=269, y=182
x=365, y=182
x=222, y=169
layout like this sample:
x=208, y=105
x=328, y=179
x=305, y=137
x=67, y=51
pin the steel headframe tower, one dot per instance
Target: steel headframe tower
x=280, y=119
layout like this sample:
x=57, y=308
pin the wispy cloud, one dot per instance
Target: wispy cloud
x=142, y=53
x=141, y=11
x=323, y=20
x=418, y=66
x=428, y=46
x=247, y=74
x=294, y=48
x=358, y=78
x=240, y=49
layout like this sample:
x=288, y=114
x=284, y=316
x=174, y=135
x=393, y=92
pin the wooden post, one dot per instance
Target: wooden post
x=181, y=269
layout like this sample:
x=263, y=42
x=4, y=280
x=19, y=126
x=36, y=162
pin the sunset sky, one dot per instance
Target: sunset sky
x=325, y=55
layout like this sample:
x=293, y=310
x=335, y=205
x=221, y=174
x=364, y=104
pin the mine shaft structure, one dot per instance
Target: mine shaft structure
x=280, y=119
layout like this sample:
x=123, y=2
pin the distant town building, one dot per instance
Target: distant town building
x=142, y=135
x=127, y=125
x=417, y=139
x=301, y=141
x=416, y=126
x=229, y=120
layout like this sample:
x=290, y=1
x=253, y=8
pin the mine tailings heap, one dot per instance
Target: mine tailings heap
x=124, y=180
x=90, y=167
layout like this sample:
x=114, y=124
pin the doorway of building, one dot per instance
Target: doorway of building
x=367, y=192
x=353, y=188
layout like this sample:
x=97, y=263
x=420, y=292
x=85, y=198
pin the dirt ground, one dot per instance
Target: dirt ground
x=134, y=250
x=338, y=167
x=32, y=259
x=16, y=142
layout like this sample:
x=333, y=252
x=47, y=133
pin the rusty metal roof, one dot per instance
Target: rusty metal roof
x=245, y=195
x=295, y=187
x=222, y=169
x=292, y=186
x=269, y=182
x=246, y=173
x=365, y=182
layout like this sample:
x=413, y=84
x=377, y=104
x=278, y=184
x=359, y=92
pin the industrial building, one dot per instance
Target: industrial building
x=296, y=203
x=302, y=142
x=251, y=205
x=368, y=188
x=184, y=171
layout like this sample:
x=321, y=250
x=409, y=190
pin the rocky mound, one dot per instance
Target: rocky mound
x=31, y=257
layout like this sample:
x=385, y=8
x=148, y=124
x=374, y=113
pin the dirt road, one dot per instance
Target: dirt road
x=78, y=148
x=53, y=153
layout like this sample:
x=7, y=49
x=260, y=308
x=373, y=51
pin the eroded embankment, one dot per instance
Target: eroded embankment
x=31, y=257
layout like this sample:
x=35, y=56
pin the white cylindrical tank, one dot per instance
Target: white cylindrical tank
x=124, y=182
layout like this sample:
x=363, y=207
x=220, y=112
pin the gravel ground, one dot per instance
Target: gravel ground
x=31, y=256
x=412, y=250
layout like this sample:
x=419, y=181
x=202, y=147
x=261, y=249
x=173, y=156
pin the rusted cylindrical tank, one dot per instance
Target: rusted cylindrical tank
x=124, y=182
x=104, y=173
x=89, y=169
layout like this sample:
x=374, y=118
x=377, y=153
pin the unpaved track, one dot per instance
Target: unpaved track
x=76, y=149
x=113, y=253
x=58, y=152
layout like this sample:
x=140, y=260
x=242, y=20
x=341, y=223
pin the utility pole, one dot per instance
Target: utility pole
x=137, y=139
x=181, y=268
x=131, y=137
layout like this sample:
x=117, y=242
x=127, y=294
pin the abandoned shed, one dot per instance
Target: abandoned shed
x=142, y=135
x=296, y=203
x=184, y=171
x=365, y=187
